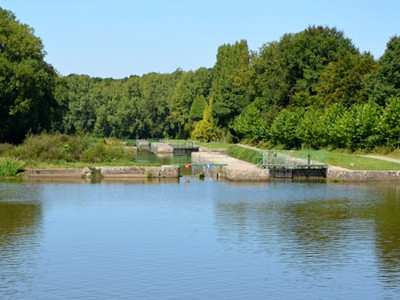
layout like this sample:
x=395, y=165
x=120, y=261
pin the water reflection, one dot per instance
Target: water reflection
x=20, y=218
x=387, y=226
x=317, y=229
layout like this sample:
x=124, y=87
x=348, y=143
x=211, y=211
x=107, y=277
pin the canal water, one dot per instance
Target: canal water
x=193, y=239
x=144, y=156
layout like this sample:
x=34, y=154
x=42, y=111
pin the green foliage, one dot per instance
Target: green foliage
x=284, y=128
x=342, y=81
x=10, y=166
x=197, y=108
x=310, y=130
x=5, y=147
x=389, y=125
x=62, y=147
x=230, y=86
x=385, y=83
x=205, y=128
x=27, y=82
x=250, y=124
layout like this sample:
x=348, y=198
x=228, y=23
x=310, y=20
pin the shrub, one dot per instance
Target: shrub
x=61, y=147
x=5, y=148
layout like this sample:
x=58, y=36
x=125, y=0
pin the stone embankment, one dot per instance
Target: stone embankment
x=235, y=170
x=344, y=175
x=108, y=172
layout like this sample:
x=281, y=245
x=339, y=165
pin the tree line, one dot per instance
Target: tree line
x=312, y=89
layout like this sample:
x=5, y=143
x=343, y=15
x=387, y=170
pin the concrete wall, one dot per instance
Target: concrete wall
x=65, y=173
x=108, y=172
x=334, y=174
x=141, y=172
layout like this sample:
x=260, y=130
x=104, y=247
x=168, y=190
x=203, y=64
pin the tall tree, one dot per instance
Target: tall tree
x=230, y=87
x=385, y=83
x=27, y=82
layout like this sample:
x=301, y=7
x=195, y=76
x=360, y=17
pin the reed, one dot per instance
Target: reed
x=10, y=167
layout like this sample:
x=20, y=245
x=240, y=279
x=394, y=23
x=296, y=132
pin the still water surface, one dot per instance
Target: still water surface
x=194, y=239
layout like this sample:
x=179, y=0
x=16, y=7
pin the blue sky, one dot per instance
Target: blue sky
x=121, y=38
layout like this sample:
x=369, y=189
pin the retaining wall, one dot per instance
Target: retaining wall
x=335, y=174
x=108, y=172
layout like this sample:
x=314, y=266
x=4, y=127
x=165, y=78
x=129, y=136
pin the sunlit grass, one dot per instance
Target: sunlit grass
x=346, y=160
x=215, y=145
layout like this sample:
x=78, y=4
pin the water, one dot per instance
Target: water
x=144, y=156
x=194, y=239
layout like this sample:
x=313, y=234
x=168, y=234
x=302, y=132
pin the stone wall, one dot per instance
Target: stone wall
x=141, y=172
x=67, y=173
x=336, y=174
x=109, y=172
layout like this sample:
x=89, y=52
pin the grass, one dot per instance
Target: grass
x=246, y=154
x=215, y=145
x=395, y=154
x=346, y=160
x=10, y=167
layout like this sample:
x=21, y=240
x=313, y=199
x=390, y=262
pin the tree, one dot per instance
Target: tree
x=27, y=82
x=230, y=87
x=197, y=108
x=205, y=129
x=385, y=83
x=343, y=80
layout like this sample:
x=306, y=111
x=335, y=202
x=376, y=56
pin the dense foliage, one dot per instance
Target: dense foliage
x=27, y=82
x=308, y=89
x=71, y=148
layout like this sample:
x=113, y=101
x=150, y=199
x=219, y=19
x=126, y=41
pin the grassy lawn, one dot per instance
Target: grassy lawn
x=345, y=160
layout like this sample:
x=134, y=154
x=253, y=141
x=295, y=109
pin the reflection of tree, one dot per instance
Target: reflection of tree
x=16, y=221
x=387, y=218
x=310, y=234
x=20, y=216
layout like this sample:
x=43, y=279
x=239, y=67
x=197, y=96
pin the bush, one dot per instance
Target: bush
x=5, y=148
x=61, y=147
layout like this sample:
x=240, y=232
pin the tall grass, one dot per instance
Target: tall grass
x=61, y=147
x=246, y=154
x=10, y=167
